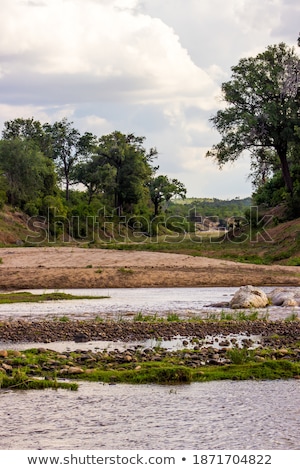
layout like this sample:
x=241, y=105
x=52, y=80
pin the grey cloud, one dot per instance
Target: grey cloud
x=42, y=89
x=210, y=37
x=289, y=27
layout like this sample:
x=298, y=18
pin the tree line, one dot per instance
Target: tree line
x=43, y=165
x=54, y=165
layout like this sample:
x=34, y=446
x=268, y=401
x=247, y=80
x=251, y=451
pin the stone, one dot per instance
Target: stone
x=3, y=353
x=15, y=353
x=75, y=370
x=285, y=297
x=128, y=358
x=249, y=297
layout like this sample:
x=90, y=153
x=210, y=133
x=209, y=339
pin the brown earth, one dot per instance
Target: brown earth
x=73, y=267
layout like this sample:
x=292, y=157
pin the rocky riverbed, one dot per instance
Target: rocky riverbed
x=275, y=333
x=275, y=352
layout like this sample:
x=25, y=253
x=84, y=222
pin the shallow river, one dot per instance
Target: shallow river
x=216, y=415
x=122, y=303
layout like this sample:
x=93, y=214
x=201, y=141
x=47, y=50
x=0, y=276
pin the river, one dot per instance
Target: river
x=215, y=415
x=125, y=303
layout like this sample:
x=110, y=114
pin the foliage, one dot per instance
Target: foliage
x=127, y=155
x=154, y=366
x=114, y=170
x=20, y=381
x=29, y=174
x=262, y=111
x=97, y=176
x=28, y=130
x=67, y=147
x=162, y=189
x=17, y=297
x=209, y=208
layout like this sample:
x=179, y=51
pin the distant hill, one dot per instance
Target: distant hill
x=210, y=207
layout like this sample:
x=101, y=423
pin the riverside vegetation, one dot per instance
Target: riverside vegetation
x=277, y=355
x=17, y=297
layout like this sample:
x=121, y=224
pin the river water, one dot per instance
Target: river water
x=215, y=415
x=125, y=303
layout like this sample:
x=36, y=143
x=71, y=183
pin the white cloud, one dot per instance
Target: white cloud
x=144, y=66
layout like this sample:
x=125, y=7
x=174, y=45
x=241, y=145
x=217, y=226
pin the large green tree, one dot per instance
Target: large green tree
x=29, y=175
x=30, y=130
x=262, y=108
x=68, y=146
x=96, y=175
x=132, y=164
x=162, y=189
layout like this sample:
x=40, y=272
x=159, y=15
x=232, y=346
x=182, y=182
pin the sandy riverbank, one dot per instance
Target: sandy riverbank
x=73, y=267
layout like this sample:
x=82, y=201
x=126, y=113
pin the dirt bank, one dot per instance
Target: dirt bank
x=72, y=267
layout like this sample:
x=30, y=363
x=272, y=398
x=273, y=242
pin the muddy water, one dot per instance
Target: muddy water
x=216, y=415
x=122, y=303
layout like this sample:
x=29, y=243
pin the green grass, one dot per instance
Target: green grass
x=139, y=317
x=154, y=373
x=239, y=315
x=173, y=317
x=20, y=381
x=16, y=297
x=240, y=356
x=245, y=250
x=224, y=316
x=292, y=317
x=64, y=319
x=268, y=370
x=126, y=270
x=170, y=368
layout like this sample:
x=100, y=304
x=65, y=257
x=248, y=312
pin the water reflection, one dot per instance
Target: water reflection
x=174, y=344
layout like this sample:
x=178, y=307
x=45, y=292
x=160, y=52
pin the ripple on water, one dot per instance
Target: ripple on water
x=215, y=415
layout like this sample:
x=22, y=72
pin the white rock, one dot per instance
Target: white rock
x=249, y=296
x=285, y=296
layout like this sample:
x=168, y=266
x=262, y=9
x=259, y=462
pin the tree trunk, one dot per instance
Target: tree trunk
x=286, y=171
x=67, y=190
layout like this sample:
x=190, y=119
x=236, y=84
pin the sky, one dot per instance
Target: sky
x=149, y=67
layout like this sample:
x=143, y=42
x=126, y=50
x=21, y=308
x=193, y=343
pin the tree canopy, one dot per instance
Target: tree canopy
x=131, y=162
x=28, y=173
x=262, y=109
x=114, y=173
x=162, y=189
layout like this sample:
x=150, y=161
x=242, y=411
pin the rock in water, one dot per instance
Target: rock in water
x=248, y=297
x=285, y=296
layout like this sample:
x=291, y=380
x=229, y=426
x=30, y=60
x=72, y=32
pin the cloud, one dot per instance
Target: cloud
x=144, y=66
x=103, y=47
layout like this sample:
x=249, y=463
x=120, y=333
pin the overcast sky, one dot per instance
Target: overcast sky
x=148, y=67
